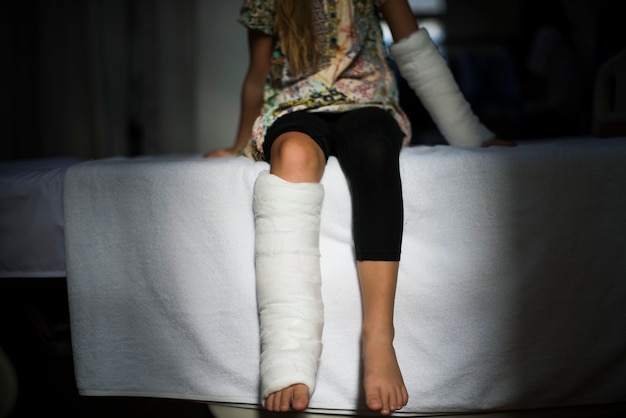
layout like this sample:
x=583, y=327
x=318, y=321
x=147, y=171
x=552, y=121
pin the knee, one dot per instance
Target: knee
x=374, y=134
x=380, y=150
x=297, y=158
x=373, y=152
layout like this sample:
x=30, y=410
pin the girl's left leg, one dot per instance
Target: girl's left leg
x=382, y=380
x=368, y=144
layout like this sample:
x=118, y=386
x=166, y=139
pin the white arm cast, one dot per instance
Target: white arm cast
x=428, y=74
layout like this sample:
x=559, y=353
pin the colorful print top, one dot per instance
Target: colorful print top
x=353, y=72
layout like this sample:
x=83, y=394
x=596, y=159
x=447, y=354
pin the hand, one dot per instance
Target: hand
x=221, y=152
x=499, y=143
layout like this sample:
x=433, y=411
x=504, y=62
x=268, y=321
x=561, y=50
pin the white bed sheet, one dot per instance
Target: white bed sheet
x=31, y=217
x=511, y=290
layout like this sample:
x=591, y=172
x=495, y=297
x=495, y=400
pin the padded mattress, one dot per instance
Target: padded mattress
x=511, y=291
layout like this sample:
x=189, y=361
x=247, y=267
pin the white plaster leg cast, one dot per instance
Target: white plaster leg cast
x=288, y=277
x=428, y=74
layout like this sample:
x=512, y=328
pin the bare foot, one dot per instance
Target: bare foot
x=384, y=387
x=294, y=397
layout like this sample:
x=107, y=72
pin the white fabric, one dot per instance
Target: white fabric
x=510, y=295
x=428, y=74
x=31, y=217
x=288, y=281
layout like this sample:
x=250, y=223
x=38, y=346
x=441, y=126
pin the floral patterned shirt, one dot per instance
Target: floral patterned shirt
x=354, y=72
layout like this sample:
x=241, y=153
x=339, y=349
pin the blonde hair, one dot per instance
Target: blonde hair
x=293, y=23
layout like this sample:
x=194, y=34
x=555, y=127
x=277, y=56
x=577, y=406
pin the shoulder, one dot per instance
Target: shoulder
x=258, y=15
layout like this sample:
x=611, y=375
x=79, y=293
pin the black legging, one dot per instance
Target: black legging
x=367, y=144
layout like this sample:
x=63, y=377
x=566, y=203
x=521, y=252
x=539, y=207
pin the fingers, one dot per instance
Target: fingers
x=499, y=143
x=222, y=152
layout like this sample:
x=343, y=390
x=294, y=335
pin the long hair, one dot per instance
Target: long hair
x=293, y=23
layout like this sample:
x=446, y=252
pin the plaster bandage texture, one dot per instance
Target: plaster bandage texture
x=288, y=280
x=428, y=74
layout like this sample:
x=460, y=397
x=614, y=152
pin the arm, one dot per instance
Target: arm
x=423, y=67
x=400, y=18
x=260, y=51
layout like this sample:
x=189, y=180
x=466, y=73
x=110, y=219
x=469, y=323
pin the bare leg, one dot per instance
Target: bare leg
x=296, y=158
x=382, y=379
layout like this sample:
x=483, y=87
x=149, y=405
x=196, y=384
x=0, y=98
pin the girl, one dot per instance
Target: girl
x=317, y=85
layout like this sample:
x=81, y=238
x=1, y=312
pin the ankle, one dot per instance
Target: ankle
x=377, y=334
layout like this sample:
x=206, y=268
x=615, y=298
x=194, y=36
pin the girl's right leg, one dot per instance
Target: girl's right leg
x=297, y=158
x=287, y=205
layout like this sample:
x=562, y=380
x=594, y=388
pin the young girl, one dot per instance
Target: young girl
x=318, y=85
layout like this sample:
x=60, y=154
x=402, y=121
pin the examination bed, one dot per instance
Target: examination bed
x=511, y=294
